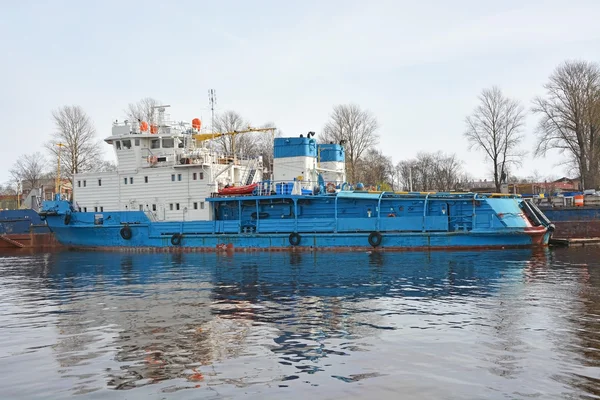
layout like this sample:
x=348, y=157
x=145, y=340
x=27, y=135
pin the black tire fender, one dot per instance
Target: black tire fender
x=67, y=219
x=294, y=238
x=176, y=239
x=375, y=239
x=126, y=232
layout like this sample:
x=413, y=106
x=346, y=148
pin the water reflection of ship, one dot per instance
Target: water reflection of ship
x=164, y=315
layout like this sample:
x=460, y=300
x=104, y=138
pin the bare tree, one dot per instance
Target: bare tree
x=375, y=168
x=264, y=145
x=431, y=171
x=80, y=150
x=7, y=190
x=495, y=127
x=231, y=121
x=105, y=166
x=143, y=110
x=571, y=117
x=356, y=129
x=30, y=168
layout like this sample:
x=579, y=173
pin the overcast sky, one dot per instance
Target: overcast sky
x=418, y=66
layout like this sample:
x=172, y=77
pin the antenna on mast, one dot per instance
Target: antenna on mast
x=212, y=99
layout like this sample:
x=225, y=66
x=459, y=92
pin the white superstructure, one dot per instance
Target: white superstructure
x=162, y=170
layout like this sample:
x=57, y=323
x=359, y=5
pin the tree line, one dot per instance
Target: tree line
x=569, y=112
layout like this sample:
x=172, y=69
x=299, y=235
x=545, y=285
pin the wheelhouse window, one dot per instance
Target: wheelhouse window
x=127, y=144
x=84, y=184
x=168, y=143
x=131, y=180
x=171, y=206
x=125, y=181
x=173, y=177
x=102, y=209
x=195, y=176
x=137, y=142
x=78, y=183
x=201, y=175
x=177, y=206
x=155, y=144
x=95, y=209
x=195, y=205
x=145, y=179
x=178, y=177
x=99, y=182
x=118, y=144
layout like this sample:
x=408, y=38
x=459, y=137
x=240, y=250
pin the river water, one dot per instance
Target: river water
x=457, y=325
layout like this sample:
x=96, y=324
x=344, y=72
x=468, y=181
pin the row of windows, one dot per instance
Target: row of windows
x=126, y=144
x=167, y=143
x=101, y=209
x=96, y=209
x=195, y=176
x=195, y=206
x=179, y=177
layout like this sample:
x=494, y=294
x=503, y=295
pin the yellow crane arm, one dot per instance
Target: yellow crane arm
x=200, y=137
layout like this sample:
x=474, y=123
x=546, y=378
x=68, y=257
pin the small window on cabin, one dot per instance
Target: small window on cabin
x=84, y=209
x=177, y=206
x=201, y=175
x=118, y=144
x=202, y=205
x=102, y=209
x=78, y=183
x=155, y=144
x=99, y=182
x=179, y=177
x=125, y=181
x=168, y=143
x=127, y=144
x=173, y=178
x=95, y=209
x=195, y=176
x=145, y=179
x=195, y=205
x=153, y=207
x=84, y=184
x=171, y=206
x=131, y=180
x=137, y=142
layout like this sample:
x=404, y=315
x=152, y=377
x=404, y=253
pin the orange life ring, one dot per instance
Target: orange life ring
x=330, y=187
x=152, y=160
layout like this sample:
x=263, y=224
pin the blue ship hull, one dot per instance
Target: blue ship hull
x=109, y=237
x=312, y=222
x=19, y=222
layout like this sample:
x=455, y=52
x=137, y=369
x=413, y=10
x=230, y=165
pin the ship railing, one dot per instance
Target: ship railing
x=276, y=187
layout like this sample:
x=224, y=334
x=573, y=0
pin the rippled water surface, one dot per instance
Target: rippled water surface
x=465, y=325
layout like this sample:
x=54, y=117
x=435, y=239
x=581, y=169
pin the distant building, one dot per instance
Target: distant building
x=8, y=202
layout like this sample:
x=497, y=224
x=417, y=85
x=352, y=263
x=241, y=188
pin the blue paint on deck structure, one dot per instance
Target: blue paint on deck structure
x=343, y=220
x=21, y=222
x=295, y=147
x=560, y=214
x=331, y=152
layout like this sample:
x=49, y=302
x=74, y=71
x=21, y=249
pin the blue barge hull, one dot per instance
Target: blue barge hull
x=366, y=221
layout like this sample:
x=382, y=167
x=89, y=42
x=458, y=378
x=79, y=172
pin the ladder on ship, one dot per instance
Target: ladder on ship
x=251, y=172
